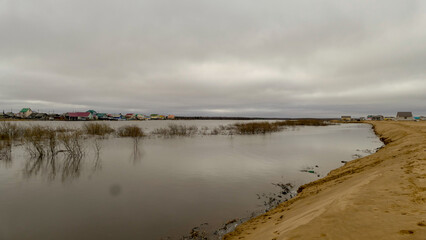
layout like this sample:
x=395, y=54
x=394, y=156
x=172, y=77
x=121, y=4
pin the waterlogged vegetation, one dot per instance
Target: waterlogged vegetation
x=176, y=130
x=130, y=131
x=97, y=129
x=41, y=134
x=45, y=141
x=69, y=144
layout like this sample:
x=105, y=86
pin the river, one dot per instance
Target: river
x=160, y=188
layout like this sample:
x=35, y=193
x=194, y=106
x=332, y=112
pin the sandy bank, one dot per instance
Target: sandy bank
x=382, y=196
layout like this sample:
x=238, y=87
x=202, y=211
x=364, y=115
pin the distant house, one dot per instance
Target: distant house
x=407, y=116
x=116, y=117
x=377, y=118
x=154, y=117
x=102, y=116
x=130, y=116
x=25, y=113
x=55, y=116
x=423, y=118
x=93, y=112
x=139, y=116
x=346, y=118
x=171, y=117
x=79, y=116
x=9, y=115
x=39, y=116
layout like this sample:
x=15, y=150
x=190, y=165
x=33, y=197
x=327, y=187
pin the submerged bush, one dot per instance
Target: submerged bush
x=72, y=142
x=303, y=122
x=130, y=131
x=5, y=151
x=10, y=131
x=256, y=128
x=99, y=129
x=41, y=140
x=176, y=130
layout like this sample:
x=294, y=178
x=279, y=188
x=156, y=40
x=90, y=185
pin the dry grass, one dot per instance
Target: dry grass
x=10, y=131
x=256, y=128
x=98, y=129
x=176, y=130
x=5, y=151
x=41, y=140
x=130, y=131
x=72, y=142
x=304, y=122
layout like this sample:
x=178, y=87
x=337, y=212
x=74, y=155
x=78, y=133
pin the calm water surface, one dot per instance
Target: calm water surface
x=163, y=187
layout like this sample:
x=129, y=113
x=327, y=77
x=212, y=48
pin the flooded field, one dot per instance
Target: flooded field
x=161, y=188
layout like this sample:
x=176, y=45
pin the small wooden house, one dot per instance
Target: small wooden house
x=79, y=116
x=404, y=116
x=25, y=113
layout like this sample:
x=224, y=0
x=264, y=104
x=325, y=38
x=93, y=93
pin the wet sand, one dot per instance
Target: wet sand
x=381, y=196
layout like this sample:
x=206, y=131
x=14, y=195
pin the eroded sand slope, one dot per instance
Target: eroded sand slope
x=382, y=196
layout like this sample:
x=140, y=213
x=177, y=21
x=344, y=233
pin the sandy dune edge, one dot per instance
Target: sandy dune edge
x=382, y=196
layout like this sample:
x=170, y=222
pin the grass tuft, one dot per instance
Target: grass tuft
x=130, y=131
x=98, y=129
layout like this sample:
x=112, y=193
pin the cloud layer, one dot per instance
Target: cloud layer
x=190, y=57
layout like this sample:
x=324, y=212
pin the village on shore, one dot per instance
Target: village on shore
x=400, y=116
x=27, y=113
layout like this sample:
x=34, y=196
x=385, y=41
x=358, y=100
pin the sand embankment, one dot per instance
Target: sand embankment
x=381, y=196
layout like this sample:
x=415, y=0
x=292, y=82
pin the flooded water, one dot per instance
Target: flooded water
x=163, y=187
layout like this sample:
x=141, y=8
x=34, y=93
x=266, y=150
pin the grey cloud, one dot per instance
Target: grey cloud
x=273, y=58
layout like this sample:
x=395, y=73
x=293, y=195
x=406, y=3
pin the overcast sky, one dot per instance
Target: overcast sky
x=271, y=58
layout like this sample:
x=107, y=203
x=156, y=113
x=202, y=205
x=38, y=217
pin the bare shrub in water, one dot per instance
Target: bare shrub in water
x=303, y=122
x=72, y=143
x=176, y=130
x=6, y=151
x=130, y=131
x=251, y=128
x=256, y=128
x=99, y=129
x=10, y=131
x=36, y=137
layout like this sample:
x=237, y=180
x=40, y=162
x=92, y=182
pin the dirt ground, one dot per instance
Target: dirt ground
x=381, y=196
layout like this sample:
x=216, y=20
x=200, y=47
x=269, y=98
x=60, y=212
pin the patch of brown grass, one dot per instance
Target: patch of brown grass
x=130, y=131
x=98, y=129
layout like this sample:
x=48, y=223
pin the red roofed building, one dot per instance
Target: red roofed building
x=79, y=116
x=129, y=116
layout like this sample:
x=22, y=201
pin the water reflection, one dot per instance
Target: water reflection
x=6, y=153
x=67, y=166
x=67, y=163
x=137, y=154
x=97, y=163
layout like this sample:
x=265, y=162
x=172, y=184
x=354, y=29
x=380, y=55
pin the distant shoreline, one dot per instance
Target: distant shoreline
x=177, y=118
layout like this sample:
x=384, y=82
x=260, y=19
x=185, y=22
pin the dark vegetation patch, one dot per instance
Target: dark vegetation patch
x=98, y=129
x=130, y=131
x=176, y=130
